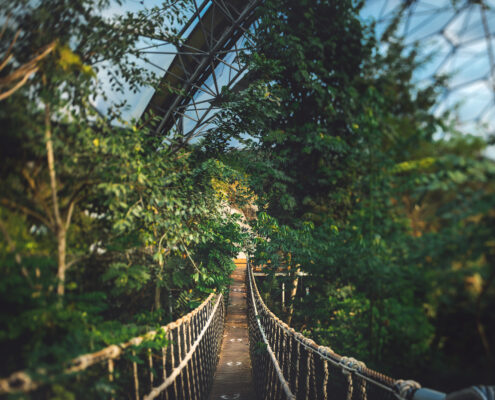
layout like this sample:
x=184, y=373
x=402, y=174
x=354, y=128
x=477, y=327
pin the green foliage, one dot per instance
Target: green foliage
x=393, y=228
x=127, y=278
x=391, y=225
x=136, y=227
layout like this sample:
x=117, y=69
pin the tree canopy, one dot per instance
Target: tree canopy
x=108, y=231
x=392, y=224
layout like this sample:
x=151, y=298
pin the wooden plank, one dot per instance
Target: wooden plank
x=233, y=377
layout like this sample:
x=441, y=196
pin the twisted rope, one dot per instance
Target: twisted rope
x=303, y=369
x=188, y=357
x=261, y=330
x=193, y=340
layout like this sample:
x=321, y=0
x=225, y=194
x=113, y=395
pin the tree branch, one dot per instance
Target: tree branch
x=28, y=211
x=190, y=258
x=18, y=85
x=8, y=54
x=36, y=196
x=72, y=202
x=51, y=167
x=21, y=74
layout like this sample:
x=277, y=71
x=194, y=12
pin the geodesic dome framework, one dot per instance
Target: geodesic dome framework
x=458, y=34
x=460, y=37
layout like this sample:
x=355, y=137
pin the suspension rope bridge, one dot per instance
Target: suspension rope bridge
x=188, y=357
x=292, y=366
x=246, y=351
x=285, y=363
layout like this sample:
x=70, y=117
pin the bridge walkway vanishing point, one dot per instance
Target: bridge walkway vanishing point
x=208, y=355
x=233, y=377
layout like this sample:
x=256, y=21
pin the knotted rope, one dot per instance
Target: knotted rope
x=211, y=355
x=283, y=358
x=188, y=361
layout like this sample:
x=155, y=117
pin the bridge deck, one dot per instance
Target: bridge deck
x=233, y=378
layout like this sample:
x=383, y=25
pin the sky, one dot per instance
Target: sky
x=137, y=101
x=158, y=63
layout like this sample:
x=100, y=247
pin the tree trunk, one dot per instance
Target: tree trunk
x=158, y=304
x=293, y=297
x=60, y=225
x=158, y=289
x=62, y=265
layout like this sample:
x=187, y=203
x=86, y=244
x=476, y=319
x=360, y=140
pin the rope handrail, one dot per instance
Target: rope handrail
x=170, y=380
x=302, y=367
x=276, y=365
x=192, y=340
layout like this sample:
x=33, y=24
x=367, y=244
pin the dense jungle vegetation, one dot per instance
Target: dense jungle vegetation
x=394, y=226
x=108, y=231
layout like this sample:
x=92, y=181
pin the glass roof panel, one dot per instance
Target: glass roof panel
x=459, y=36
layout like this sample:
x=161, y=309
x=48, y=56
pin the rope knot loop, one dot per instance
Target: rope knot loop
x=406, y=388
x=350, y=364
x=19, y=381
x=136, y=341
x=325, y=351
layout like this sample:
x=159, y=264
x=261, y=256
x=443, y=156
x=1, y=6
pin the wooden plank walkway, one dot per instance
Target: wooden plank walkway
x=233, y=377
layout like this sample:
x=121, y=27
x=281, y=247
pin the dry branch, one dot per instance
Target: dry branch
x=12, y=82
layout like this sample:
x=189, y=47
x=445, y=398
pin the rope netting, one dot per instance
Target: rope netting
x=288, y=365
x=177, y=361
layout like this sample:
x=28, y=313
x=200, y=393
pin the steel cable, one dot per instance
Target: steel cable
x=285, y=359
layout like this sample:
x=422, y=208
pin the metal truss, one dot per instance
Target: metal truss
x=460, y=38
x=459, y=35
x=205, y=60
